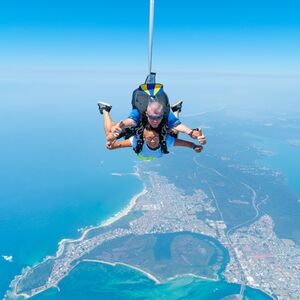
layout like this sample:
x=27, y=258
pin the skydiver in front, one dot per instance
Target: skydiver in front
x=151, y=136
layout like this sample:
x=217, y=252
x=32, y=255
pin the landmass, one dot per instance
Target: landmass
x=161, y=209
x=160, y=234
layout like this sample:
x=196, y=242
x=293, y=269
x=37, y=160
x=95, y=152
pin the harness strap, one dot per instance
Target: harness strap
x=139, y=132
x=163, y=138
x=139, y=146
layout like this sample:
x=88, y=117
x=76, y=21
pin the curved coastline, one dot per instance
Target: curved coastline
x=157, y=281
x=125, y=211
x=61, y=244
x=149, y=275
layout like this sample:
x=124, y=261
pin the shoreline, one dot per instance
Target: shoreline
x=125, y=211
x=178, y=276
x=114, y=264
x=61, y=244
x=110, y=220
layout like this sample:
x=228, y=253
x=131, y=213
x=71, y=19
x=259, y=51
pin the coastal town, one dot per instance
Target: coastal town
x=265, y=261
x=257, y=257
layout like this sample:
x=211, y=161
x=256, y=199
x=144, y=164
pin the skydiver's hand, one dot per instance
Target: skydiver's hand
x=202, y=139
x=198, y=134
x=109, y=145
x=110, y=138
x=197, y=148
x=117, y=129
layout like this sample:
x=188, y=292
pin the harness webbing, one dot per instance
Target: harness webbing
x=163, y=129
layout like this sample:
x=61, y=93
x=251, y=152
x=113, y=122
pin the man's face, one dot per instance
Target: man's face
x=151, y=138
x=154, y=115
x=154, y=120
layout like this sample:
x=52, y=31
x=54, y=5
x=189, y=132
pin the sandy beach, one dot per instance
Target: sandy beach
x=107, y=222
x=150, y=276
x=124, y=211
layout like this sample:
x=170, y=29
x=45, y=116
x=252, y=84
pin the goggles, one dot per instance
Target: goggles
x=155, y=117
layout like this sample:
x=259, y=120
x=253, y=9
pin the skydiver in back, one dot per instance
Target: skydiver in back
x=151, y=136
x=154, y=115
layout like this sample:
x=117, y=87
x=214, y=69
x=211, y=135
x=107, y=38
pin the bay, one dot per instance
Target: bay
x=99, y=281
x=284, y=158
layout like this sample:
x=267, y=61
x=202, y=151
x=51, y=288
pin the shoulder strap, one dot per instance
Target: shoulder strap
x=163, y=136
x=139, y=132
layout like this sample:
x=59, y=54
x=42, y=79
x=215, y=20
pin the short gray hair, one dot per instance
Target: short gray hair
x=155, y=107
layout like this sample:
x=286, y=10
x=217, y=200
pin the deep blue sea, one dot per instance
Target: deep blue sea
x=56, y=177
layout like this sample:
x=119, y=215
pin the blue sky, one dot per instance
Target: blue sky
x=206, y=36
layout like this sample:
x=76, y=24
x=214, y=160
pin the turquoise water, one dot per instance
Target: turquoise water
x=55, y=174
x=98, y=281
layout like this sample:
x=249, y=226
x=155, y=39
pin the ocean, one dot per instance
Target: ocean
x=56, y=175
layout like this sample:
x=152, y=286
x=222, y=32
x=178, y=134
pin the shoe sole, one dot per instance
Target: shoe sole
x=179, y=103
x=104, y=106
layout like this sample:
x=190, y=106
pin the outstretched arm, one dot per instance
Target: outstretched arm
x=188, y=144
x=117, y=128
x=118, y=144
x=193, y=133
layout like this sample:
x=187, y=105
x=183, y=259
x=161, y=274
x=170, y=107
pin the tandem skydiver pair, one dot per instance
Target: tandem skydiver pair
x=152, y=127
